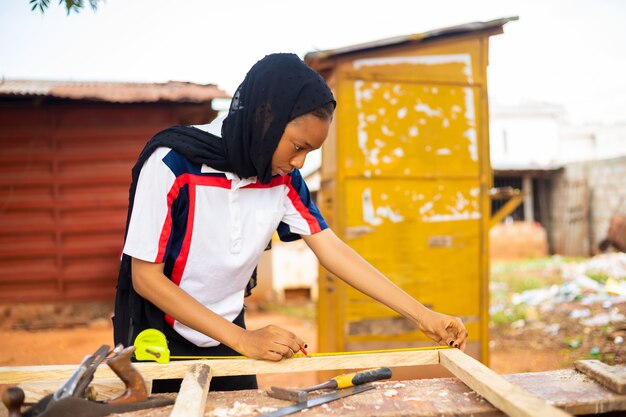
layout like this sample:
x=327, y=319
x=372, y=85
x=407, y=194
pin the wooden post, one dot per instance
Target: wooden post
x=513, y=400
x=191, y=398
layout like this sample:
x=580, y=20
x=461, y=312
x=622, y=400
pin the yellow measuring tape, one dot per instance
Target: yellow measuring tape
x=151, y=345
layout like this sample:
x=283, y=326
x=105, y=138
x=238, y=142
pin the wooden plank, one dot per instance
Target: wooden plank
x=570, y=390
x=512, y=399
x=229, y=367
x=612, y=377
x=191, y=399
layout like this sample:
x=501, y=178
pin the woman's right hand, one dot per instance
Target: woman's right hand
x=271, y=343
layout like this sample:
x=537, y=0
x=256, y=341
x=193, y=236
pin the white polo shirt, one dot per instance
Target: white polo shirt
x=210, y=228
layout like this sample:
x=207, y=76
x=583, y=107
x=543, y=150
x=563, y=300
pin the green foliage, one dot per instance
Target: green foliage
x=509, y=315
x=600, y=277
x=70, y=5
x=529, y=274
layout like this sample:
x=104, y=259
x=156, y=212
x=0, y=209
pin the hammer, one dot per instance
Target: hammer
x=338, y=382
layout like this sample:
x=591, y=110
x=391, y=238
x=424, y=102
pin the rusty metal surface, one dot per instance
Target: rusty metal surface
x=64, y=178
x=115, y=92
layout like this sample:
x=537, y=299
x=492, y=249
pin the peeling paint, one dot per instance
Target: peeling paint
x=375, y=216
x=425, y=108
x=386, y=131
x=394, y=113
x=387, y=212
x=427, y=207
x=369, y=215
x=470, y=134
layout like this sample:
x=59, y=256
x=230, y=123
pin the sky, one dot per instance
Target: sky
x=565, y=52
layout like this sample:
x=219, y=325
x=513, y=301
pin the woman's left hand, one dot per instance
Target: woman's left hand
x=444, y=329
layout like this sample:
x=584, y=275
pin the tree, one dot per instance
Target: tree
x=70, y=5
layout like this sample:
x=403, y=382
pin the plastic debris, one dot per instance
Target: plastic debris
x=603, y=319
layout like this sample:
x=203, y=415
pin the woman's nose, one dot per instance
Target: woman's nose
x=298, y=161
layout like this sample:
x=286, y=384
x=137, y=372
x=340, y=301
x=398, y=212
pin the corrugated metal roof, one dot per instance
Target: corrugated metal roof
x=117, y=92
x=418, y=37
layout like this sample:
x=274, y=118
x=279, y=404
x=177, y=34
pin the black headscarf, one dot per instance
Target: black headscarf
x=276, y=90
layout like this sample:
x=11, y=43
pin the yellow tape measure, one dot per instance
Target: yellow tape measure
x=151, y=345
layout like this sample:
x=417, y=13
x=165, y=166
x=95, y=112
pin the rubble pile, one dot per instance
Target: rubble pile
x=581, y=313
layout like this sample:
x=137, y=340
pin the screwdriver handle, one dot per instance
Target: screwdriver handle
x=359, y=378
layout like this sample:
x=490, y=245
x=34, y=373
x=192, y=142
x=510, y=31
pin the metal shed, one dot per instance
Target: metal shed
x=405, y=181
x=66, y=150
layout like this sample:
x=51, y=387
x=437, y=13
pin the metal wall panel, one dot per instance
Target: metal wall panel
x=64, y=178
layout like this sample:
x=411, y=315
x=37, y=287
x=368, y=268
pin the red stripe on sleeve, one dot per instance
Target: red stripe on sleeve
x=293, y=195
x=181, y=260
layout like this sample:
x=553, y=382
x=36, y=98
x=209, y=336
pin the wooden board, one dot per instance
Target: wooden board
x=612, y=377
x=191, y=399
x=510, y=398
x=228, y=367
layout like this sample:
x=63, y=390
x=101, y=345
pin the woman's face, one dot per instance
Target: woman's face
x=302, y=135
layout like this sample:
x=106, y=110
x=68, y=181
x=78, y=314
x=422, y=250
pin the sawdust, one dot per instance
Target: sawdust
x=239, y=409
x=390, y=393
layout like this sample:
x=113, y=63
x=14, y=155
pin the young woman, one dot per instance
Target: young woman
x=203, y=208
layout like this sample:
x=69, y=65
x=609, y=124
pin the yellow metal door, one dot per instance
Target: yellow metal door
x=405, y=180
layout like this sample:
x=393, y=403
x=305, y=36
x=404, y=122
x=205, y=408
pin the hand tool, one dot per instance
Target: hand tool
x=82, y=377
x=338, y=382
x=303, y=405
x=135, y=386
x=151, y=345
x=70, y=401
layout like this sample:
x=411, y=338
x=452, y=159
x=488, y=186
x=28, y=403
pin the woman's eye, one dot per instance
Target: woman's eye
x=297, y=147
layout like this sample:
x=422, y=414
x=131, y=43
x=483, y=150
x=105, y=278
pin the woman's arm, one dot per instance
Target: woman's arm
x=270, y=342
x=341, y=260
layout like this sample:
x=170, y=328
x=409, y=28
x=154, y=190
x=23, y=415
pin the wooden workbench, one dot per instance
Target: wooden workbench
x=558, y=393
x=567, y=389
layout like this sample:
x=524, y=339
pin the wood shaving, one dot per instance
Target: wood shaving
x=240, y=409
x=390, y=393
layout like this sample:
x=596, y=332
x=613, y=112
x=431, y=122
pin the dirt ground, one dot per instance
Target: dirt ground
x=55, y=334
x=46, y=334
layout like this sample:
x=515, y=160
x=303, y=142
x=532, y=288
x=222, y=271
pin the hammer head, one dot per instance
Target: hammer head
x=288, y=394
